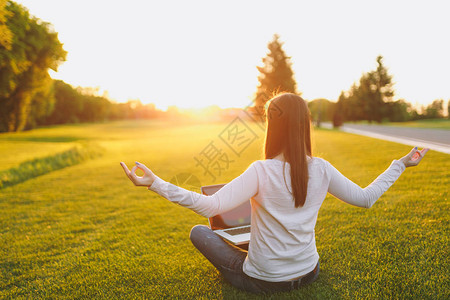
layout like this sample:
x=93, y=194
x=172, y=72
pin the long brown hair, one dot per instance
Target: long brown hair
x=288, y=132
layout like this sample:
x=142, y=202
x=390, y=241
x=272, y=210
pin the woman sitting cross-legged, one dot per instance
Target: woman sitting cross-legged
x=286, y=190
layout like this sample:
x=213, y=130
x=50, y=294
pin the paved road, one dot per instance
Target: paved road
x=435, y=139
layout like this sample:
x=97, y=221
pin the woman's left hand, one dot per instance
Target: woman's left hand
x=145, y=180
x=414, y=157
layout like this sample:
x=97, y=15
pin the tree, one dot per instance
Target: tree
x=435, y=110
x=68, y=106
x=375, y=89
x=321, y=110
x=73, y=105
x=42, y=105
x=448, y=109
x=275, y=76
x=399, y=111
x=25, y=85
x=367, y=99
x=349, y=107
x=5, y=33
x=338, y=114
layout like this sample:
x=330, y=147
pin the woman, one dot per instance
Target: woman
x=286, y=190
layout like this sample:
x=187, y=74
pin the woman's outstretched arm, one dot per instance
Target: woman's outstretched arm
x=343, y=188
x=234, y=193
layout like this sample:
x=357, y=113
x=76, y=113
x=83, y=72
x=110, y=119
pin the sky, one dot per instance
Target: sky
x=194, y=53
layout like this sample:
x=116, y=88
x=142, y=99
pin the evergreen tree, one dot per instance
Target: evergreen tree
x=275, y=76
x=375, y=90
x=371, y=98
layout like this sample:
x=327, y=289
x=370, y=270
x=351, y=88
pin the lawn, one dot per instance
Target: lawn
x=431, y=124
x=84, y=231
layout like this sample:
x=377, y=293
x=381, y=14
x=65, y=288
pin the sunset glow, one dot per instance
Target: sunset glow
x=194, y=54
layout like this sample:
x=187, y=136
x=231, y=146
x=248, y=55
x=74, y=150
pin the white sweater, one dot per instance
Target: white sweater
x=282, y=244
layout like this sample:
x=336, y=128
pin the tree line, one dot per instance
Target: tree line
x=78, y=105
x=29, y=97
x=371, y=99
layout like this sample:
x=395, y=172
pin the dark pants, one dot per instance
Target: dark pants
x=229, y=259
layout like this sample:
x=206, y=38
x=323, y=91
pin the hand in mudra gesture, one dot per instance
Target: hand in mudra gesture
x=144, y=180
x=414, y=157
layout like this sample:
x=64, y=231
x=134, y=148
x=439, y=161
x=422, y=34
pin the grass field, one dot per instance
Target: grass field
x=432, y=124
x=85, y=231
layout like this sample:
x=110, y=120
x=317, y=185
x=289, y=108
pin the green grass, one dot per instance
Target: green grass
x=431, y=124
x=39, y=166
x=85, y=231
x=13, y=153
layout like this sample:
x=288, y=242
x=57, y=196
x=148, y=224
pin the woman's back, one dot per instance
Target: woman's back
x=282, y=242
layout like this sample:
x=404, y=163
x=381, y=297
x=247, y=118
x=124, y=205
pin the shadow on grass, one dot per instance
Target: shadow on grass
x=40, y=166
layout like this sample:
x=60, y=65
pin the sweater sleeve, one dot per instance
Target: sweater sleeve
x=234, y=193
x=343, y=188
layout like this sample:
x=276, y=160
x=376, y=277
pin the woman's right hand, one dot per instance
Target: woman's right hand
x=414, y=157
x=145, y=180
